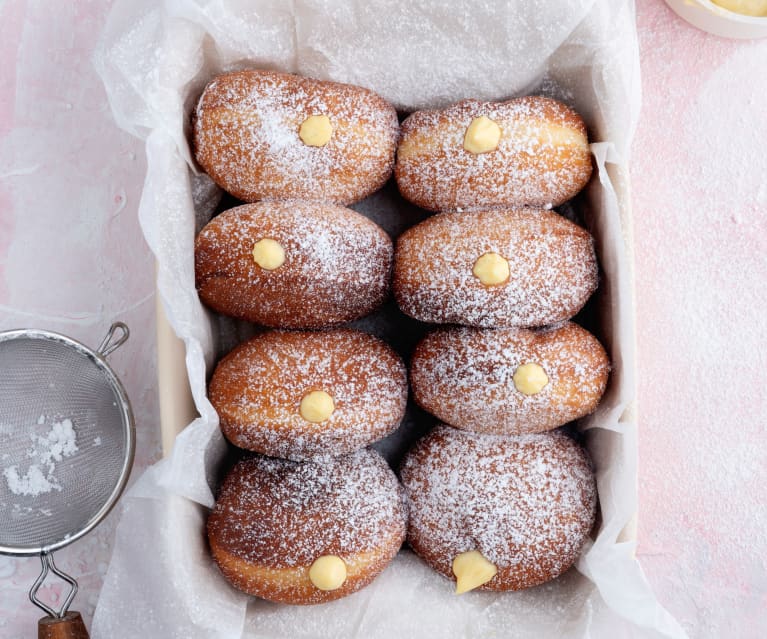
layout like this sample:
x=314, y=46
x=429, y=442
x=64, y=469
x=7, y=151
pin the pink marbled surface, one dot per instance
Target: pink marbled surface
x=69, y=179
x=700, y=210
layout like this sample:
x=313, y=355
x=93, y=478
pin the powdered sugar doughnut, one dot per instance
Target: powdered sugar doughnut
x=264, y=135
x=293, y=264
x=303, y=395
x=530, y=151
x=509, y=381
x=503, y=267
x=520, y=507
x=306, y=533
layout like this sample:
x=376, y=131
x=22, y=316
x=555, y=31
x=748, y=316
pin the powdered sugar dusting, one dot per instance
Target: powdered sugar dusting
x=53, y=446
x=527, y=503
x=246, y=137
x=337, y=264
x=464, y=376
x=552, y=263
x=542, y=158
x=257, y=390
x=282, y=514
x=702, y=268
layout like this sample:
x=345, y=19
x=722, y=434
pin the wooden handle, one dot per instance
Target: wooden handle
x=70, y=626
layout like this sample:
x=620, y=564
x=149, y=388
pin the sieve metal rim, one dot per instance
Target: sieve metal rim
x=99, y=359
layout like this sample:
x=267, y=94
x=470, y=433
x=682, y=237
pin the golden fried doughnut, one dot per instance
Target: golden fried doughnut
x=293, y=264
x=304, y=395
x=306, y=533
x=530, y=151
x=502, y=267
x=498, y=512
x=263, y=135
x=509, y=380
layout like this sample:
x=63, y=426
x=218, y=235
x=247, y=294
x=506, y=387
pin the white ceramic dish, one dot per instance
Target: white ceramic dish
x=709, y=17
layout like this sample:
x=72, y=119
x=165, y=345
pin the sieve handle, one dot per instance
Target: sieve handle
x=61, y=624
x=48, y=565
x=110, y=344
x=70, y=626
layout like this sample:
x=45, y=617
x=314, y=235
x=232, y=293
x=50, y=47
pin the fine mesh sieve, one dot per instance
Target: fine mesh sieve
x=66, y=444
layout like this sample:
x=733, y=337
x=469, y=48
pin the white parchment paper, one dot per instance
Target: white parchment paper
x=154, y=59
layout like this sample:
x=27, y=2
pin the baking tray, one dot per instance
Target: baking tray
x=203, y=41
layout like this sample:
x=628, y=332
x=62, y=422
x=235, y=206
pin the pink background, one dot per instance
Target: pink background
x=69, y=177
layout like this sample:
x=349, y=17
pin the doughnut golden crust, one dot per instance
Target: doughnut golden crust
x=275, y=518
x=542, y=156
x=263, y=135
x=525, y=503
x=447, y=268
x=509, y=381
x=262, y=388
x=334, y=267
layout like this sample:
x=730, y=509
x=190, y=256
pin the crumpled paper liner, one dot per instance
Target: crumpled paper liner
x=155, y=59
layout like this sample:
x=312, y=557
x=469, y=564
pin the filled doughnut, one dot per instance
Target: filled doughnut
x=293, y=264
x=306, y=395
x=497, y=512
x=501, y=267
x=263, y=135
x=509, y=381
x=307, y=533
x=530, y=151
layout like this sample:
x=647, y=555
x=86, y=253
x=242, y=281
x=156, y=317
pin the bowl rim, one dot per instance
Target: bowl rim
x=727, y=14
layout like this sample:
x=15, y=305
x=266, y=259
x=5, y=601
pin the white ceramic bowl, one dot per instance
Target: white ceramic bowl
x=712, y=18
